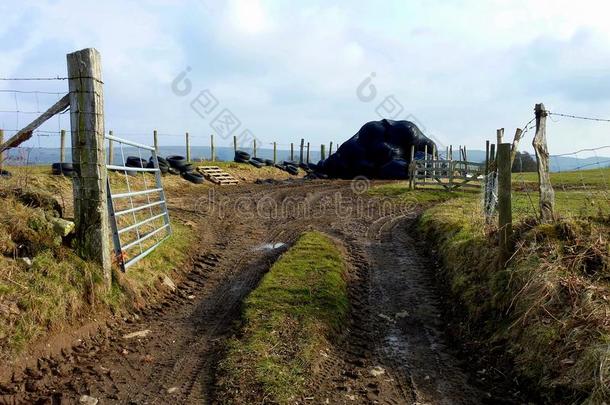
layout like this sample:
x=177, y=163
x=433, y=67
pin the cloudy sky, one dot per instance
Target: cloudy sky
x=319, y=69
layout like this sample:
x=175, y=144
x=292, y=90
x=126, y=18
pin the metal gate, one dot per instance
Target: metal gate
x=136, y=202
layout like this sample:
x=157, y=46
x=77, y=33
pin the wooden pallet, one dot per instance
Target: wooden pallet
x=217, y=176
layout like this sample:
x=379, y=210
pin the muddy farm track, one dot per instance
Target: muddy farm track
x=393, y=351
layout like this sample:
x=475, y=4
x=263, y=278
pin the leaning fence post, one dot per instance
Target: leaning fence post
x=89, y=159
x=505, y=215
x=212, y=149
x=156, y=141
x=547, y=194
x=301, y=152
x=62, y=145
x=188, y=148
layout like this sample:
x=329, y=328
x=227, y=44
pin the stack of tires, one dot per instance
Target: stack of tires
x=381, y=149
x=241, y=156
x=62, y=169
x=178, y=164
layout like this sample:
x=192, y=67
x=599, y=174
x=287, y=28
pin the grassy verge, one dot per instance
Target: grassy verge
x=547, y=310
x=46, y=288
x=298, y=305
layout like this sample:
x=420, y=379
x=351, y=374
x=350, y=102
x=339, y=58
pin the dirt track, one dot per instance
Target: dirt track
x=394, y=351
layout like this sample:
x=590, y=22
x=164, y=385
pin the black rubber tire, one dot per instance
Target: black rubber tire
x=269, y=162
x=134, y=161
x=241, y=160
x=280, y=166
x=290, y=162
x=192, y=177
x=174, y=171
x=176, y=161
x=186, y=168
x=5, y=173
x=242, y=155
x=257, y=159
x=256, y=163
x=292, y=170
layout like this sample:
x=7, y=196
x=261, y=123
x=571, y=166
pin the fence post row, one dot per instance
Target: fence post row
x=547, y=194
x=88, y=157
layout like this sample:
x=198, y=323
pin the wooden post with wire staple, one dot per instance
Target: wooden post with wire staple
x=110, y=150
x=62, y=145
x=156, y=141
x=188, y=148
x=547, y=194
x=86, y=98
x=212, y=149
x=505, y=215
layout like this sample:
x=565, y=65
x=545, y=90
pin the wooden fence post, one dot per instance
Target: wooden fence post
x=547, y=194
x=301, y=153
x=450, y=152
x=425, y=162
x=291, y=151
x=156, y=141
x=330, y=148
x=486, y=161
x=212, y=149
x=505, y=214
x=274, y=152
x=62, y=145
x=110, y=150
x=500, y=135
x=254, y=147
x=322, y=152
x=92, y=238
x=515, y=146
x=412, y=169
x=234, y=143
x=1, y=152
x=188, y=148
x=307, y=152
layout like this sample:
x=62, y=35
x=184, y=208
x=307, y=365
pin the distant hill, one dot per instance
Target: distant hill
x=558, y=163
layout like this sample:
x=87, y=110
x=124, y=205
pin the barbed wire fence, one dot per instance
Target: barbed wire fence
x=580, y=179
